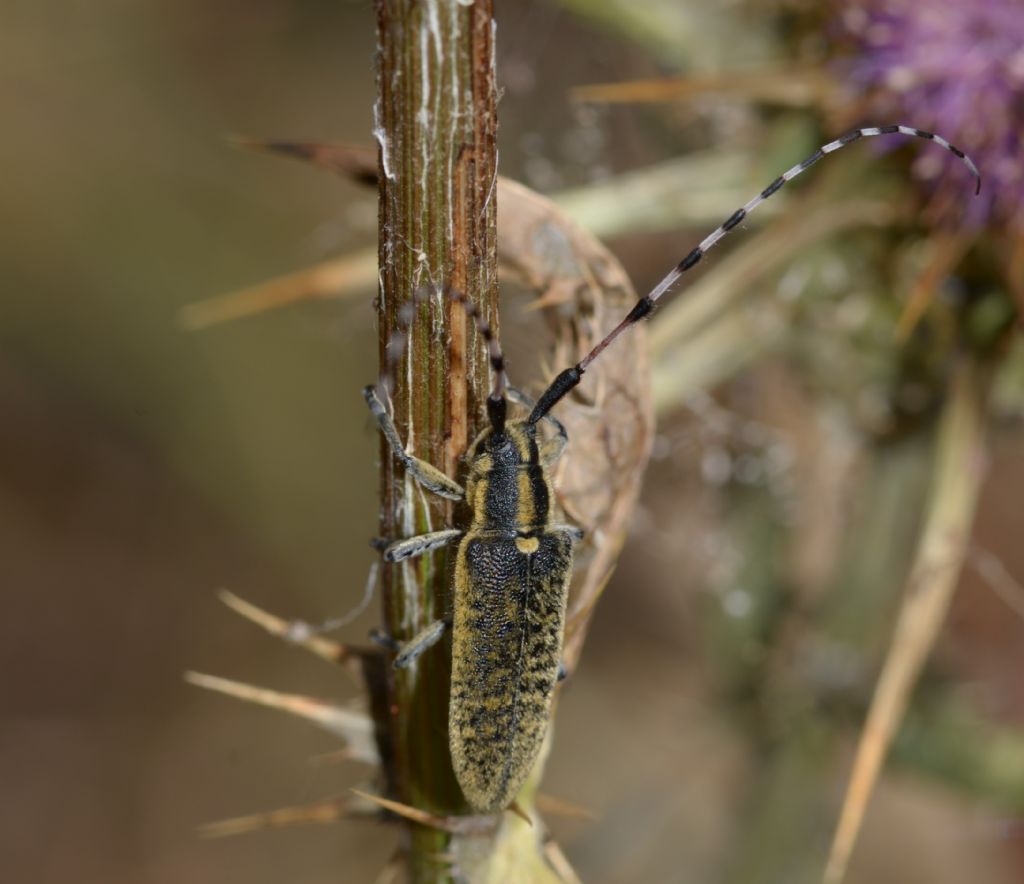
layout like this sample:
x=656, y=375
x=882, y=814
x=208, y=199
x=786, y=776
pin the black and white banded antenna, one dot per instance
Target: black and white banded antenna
x=497, y=405
x=569, y=378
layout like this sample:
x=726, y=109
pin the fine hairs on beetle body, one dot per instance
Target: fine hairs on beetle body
x=514, y=559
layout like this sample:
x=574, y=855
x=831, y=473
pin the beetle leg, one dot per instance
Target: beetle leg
x=424, y=639
x=384, y=640
x=420, y=544
x=520, y=398
x=575, y=532
x=553, y=448
x=429, y=476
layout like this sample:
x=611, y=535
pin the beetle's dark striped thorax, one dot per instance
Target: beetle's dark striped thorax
x=508, y=488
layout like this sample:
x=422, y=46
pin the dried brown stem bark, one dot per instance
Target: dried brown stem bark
x=435, y=124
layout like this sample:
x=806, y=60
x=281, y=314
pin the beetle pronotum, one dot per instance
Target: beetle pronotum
x=514, y=559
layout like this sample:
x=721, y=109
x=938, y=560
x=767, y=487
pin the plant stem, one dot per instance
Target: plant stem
x=435, y=124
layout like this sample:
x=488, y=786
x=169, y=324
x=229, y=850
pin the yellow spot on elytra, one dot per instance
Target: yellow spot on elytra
x=527, y=545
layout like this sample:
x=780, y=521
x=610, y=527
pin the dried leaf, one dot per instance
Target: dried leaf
x=610, y=423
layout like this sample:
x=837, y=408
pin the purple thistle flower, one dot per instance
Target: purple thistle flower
x=955, y=67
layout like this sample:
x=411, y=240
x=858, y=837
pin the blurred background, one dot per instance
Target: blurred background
x=711, y=726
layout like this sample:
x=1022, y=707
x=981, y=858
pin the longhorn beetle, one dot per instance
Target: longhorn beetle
x=514, y=559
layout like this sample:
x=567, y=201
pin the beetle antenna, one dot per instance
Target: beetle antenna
x=497, y=406
x=569, y=378
x=395, y=348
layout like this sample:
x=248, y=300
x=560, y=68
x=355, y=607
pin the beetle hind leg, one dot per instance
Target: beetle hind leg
x=425, y=639
x=409, y=547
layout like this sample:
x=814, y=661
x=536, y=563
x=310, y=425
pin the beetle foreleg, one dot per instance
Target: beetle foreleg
x=429, y=476
x=553, y=448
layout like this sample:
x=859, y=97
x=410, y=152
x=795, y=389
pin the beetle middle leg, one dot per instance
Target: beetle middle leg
x=408, y=547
